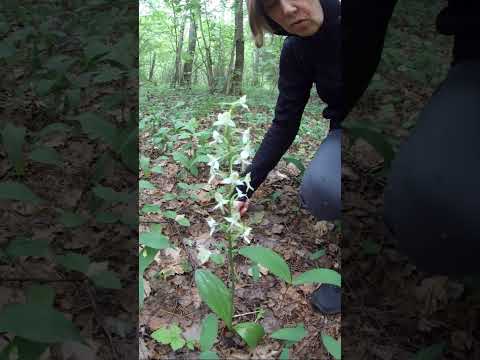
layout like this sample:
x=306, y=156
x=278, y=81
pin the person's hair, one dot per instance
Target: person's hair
x=259, y=22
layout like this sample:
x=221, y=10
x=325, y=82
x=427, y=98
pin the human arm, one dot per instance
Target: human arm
x=294, y=91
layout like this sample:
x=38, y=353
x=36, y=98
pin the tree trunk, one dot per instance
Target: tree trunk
x=256, y=66
x=188, y=64
x=152, y=67
x=237, y=76
x=178, y=55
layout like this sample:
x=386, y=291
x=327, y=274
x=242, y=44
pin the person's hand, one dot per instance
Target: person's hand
x=242, y=206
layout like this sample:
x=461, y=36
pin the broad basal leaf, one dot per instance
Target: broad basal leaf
x=209, y=332
x=74, y=261
x=27, y=247
x=208, y=355
x=41, y=295
x=290, y=334
x=71, y=220
x=13, y=139
x=46, y=155
x=323, y=276
x=110, y=195
x=250, y=332
x=106, y=279
x=333, y=346
x=215, y=294
x=11, y=190
x=38, y=323
x=155, y=240
x=269, y=259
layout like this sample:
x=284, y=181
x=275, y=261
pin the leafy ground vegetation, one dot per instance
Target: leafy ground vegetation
x=271, y=316
x=395, y=311
x=68, y=153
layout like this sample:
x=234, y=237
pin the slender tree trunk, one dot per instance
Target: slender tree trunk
x=228, y=76
x=256, y=66
x=178, y=55
x=192, y=42
x=152, y=67
x=237, y=76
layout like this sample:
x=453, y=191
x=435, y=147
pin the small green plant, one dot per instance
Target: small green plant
x=290, y=336
x=172, y=336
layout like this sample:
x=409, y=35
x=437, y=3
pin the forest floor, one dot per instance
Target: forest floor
x=278, y=223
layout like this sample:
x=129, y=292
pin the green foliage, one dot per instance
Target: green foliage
x=51, y=326
x=170, y=336
x=269, y=259
x=12, y=190
x=215, y=294
x=433, y=352
x=13, y=139
x=294, y=334
x=323, y=276
x=333, y=346
x=208, y=335
x=250, y=332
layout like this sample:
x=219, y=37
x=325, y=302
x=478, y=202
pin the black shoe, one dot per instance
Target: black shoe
x=327, y=299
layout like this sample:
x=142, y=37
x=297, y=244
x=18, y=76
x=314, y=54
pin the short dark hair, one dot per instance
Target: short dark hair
x=260, y=23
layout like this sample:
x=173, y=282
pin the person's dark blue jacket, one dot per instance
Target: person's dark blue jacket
x=304, y=61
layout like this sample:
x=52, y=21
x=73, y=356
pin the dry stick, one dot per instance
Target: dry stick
x=247, y=313
x=100, y=319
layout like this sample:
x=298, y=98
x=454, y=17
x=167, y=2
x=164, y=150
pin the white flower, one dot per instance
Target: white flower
x=221, y=202
x=217, y=138
x=246, y=233
x=243, y=102
x=212, y=224
x=203, y=254
x=213, y=163
x=247, y=179
x=246, y=137
x=233, y=220
x=233, y=179
x=224, y=119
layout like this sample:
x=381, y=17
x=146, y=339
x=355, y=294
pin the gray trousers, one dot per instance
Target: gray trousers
x=320, y=191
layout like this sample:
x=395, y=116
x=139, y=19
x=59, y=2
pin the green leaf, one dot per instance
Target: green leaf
x=106, y=217
x=269, y=259
x=106, y=279
x=208, y=355
x=182, y=220
x=432, y=352
x=11, y=190
x=146, y=185
x=145, y=258
x=181, y=158
x=40, y=295
x=6, y=50
x=333, y=346
x=162, y=335
x=75, y=262
x=209, y=331
x=284, y=355
x=110, y=195
x=215, y=294
x=46, y=155
x=52, y=128
x=170, y=214
x=27, y=247
x=323, y=276
x=250, y=332
x=97, y=127
x=177, y=343
x=38, y=323
x=155, y=240
x=150, y=208
x=71, y=220
x=290, y=334
x=317, y=254
x=27, y=349
x=13, y=140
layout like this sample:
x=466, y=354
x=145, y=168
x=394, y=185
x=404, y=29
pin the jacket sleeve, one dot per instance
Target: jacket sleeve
x=364, y=25
x=294, y=86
